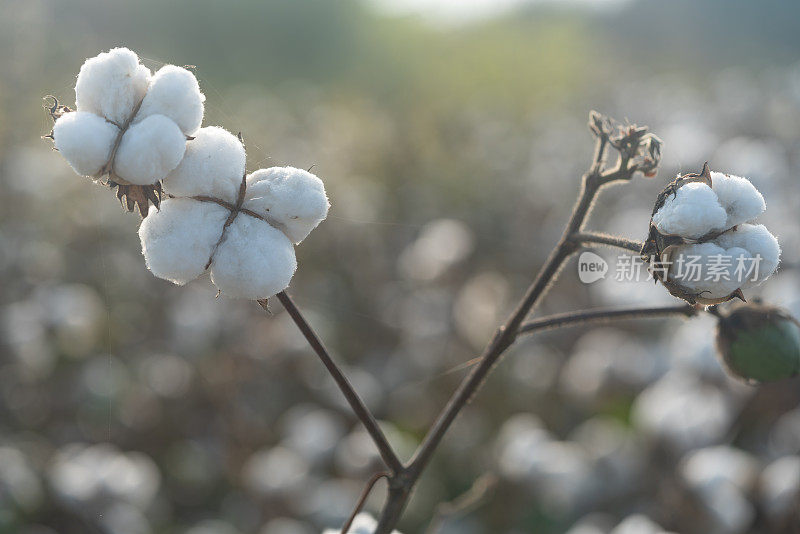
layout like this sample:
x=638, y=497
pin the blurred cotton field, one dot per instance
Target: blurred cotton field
x=451, y=150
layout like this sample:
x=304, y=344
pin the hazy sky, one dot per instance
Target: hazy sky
x=455, y=11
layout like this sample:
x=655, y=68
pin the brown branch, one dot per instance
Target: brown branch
x=603, y=316
x=465, y=503
x=356, y=404
x=593, y=181
x=363, y=499
x=605, y=239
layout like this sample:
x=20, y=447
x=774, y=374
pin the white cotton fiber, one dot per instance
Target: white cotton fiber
x=692, y=212
x=213, y=165
x=149, y=150
x=85, y=140
x=759, y=242
x=174, y=93
x=254, y=261
x=740, y=199
x=178, y=239
x=703, y=280
x=293, y=197
x=111, y=84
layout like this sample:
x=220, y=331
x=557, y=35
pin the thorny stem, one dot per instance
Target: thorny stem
x=359, y=408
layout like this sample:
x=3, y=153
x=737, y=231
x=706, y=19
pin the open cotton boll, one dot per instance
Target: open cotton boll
x=760, y=244
x=179, y=238
x=111, y=84
x=692, y=212
x=708, y=269
x=213, y=165
x=85, y=140
x=293, y=197
x=254, y=260
x=739, y=198
x=174, y=93
x=149, y=150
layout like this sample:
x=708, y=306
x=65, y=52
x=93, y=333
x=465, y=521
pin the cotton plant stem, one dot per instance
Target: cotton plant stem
x=356, y=404
x=610, y=240
x=603, y=316
x=401, y=486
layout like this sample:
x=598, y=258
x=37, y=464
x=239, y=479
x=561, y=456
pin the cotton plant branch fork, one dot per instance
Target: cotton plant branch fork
x=638, y=151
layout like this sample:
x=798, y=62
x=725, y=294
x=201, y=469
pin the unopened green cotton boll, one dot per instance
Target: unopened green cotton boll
x=759, y=343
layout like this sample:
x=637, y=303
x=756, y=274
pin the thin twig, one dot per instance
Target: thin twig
x=359, y=408
x=610, y=240
x=363, y=499
x=463, y=504
x=602, y=316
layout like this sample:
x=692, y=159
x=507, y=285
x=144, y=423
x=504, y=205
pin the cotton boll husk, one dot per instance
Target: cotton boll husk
x=149, y=150
x=254, y=260
x=213, y=165
x=693, y=211
x=179, y=238
x=85, y=140
x=759, y=242
x=111, y=84
x=293, y=197
x=704, y=282
x=740, y=199
x=174, y=93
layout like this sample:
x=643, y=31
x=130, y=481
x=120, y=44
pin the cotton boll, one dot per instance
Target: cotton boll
x=759, y=243
x=213, y=165
x=740, y=199
x=149, y=150
x=709, y=269
x=293, y=197
x=112, y=84
x=85, y=140
x=693, y=211
x=174, y=93
x=254, y=261
x=179, y=238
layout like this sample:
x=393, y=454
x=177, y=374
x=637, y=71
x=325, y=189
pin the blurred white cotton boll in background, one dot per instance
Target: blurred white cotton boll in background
x=254, y=260
x=213, y=165
x=682, y=410
x=722, y=462
x=149, y=150
x=518, y=436
x=293, y=197
x=779, y=487
x=85, y=140
x=363, y=523
x=638, y=524
x=174, y=92
x=276, y=470
x=441, y=244
x=179, y=238
x=111, y=84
